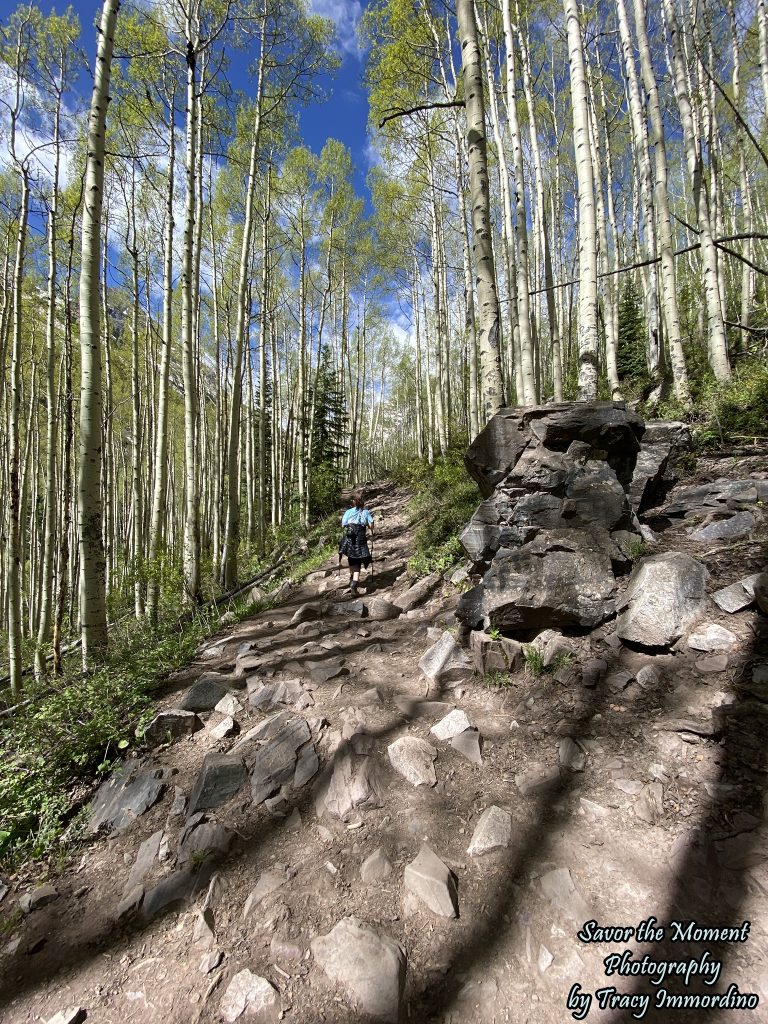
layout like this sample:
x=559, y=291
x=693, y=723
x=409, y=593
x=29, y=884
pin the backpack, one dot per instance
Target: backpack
x=352, y=538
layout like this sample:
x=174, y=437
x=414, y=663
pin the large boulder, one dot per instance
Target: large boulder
x=567, y=582
x=665, y=597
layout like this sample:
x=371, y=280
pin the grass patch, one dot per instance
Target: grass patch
x=445, y=497
x=534, y=660
x=497, y=678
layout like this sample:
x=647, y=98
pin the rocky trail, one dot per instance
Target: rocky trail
x=341, y=814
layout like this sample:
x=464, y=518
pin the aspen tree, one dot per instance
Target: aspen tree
x=717, y=347
x=587, y=224
x=93, y=610
x=492, y=395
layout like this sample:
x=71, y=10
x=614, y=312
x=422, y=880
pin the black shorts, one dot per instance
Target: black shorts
x=356, y=563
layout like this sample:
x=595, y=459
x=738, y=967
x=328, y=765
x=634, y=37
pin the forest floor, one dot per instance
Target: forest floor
x=665, y=819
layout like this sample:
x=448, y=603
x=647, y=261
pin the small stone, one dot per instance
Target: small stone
x=545, y=959
x=248, y=992
x=537, y=779
x=712, y=637
x=145, y=859
x=205, y=694
x=593, y=671
x=632, y=787
x=226, y=727
x=376, y=867
x=470, y=745
x=172, y=725
x=268, y=882
x=558, y=887
x=429, y=879
x=220, y=777
x=413, y=758
x=454, y=723
x=733, y=528
x=493, y=830
x=380, y=610
x=125, y=796
x=37, y=898
x=737, y=596
x=571, y=755
x=619, y=680
x=648, y=806
x=229, y=705
x=715, y=663
x=211, y=961
x=369, y=966
x=72, y=1015
x=648, y=677
x=203, y=936
x=286, y=950
x=595, y=812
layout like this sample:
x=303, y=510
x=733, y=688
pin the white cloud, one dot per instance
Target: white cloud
x=345, y=15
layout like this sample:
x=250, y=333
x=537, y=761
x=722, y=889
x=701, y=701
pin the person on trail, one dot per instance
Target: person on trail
x=354, y=543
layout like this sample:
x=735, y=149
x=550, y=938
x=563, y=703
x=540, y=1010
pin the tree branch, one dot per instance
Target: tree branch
x=415, y=110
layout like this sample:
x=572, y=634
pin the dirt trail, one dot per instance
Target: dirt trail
x=647, y=818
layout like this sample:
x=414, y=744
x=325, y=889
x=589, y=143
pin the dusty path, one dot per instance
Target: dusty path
x=641, y=817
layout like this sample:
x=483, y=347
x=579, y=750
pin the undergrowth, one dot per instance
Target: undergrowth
x=445, y=497
x=74, y=729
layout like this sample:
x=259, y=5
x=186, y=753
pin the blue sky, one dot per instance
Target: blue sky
x=344, y=112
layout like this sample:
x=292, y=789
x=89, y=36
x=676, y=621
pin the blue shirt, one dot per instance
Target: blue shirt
x=357, y=515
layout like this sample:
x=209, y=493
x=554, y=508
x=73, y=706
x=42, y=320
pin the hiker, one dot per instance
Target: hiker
x=353, y=542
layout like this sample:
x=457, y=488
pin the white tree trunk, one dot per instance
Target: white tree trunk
x=93, y=609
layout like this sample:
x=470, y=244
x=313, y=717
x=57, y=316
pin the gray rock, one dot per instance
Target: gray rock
x=571, y=755
x=72, y=1015
x=145, y=860
x=204, y=695
x=37, y=898
x=269, y=882
x=737, y=596
x=203, y=838
x=307, y=766
x=429, y=879
x=422, y=708
x=445, y=663
x=266, y=730
x=418, y=592
x=413, y=758
x=204, y=935
x=760, y=590
x=493, y=830
x=648, y=806
x=368, y=966
x=305, y=613
x=648, y=677
x=226, y=727
x=489, y=655
x=712, y=637
x=558, y=887
x=4, y=889
x=561, y=578
x=229, y=705
x=351, y=609
x=649, y=474
x=220, y=777
x=737, y=526
x=324, y=671
x=665, y=597
x=714, y=663
x=381, y=611
x=593, y=671
x=130, y=902
x=250, y=994
x=376, y=867
x=179, y=887
x=171, y=725
x=454, y=723
x=470, y=745
x=537, y=779
x=246, y=665
x=595, y=812
x=126, y=795
x=348, y=783
x=211, y=961
x=275, y=763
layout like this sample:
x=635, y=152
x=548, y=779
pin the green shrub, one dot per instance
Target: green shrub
x=445, y=498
